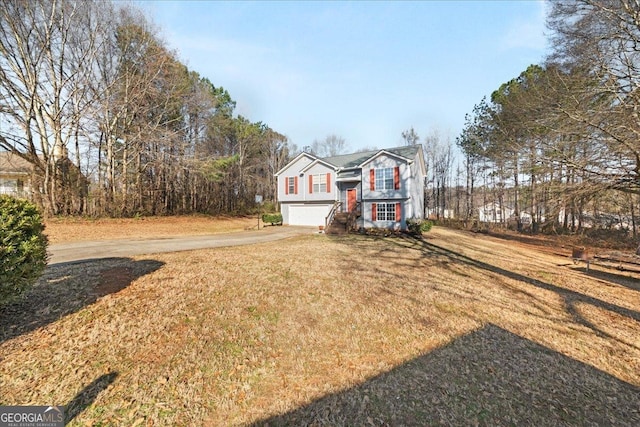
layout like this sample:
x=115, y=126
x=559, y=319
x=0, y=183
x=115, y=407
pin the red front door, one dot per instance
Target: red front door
x=351, y=199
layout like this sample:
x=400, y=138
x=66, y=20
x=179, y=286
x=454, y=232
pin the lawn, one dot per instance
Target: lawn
x=63, y=230
x=457, y=328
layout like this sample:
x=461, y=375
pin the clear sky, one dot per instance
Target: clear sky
x=365, y=71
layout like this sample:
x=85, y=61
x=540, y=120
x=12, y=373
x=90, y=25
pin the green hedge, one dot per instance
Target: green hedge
x=418, y=226
x=23, y=247
x=272, y=218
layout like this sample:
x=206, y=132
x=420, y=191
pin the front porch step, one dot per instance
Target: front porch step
x=339, y=224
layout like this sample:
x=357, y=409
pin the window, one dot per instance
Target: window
x=7, y=186
x=386, y=212
x=384, y=179
x=320, y=183
x=291, y=185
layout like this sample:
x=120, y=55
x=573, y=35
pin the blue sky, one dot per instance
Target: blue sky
x=365, y=71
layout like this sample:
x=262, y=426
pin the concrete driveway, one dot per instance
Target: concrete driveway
x=79, y=251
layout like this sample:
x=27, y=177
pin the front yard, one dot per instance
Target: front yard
x=457, y=329
x=63, y=230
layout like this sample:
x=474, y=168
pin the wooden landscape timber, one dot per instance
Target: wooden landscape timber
x=619, y=261
x=613, y=259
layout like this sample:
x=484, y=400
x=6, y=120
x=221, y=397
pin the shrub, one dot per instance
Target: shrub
x=272, y=218
x=418, y=226
x=23, y=247
x=268, y=206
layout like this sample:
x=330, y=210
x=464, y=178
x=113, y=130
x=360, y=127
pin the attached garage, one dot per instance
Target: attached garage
x=308, y=214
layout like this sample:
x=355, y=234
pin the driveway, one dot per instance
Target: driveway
x=80, y=251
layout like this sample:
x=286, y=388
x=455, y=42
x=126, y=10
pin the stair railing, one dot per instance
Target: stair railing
x=353, y=215
x=332, y=213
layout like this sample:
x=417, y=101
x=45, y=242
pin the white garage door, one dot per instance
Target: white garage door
x=308, y=214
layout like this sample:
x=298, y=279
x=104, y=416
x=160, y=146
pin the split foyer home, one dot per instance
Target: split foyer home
x=378, y=189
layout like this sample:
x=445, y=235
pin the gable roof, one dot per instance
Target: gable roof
x=350, y=160
x=356, y=159
x=295, y=159
x=12, y=164
x=319, y=161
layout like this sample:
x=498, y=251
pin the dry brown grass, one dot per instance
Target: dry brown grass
x=63, y=230
x=456, y=329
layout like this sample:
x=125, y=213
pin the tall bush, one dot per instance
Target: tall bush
x=23, y=247
x=418, y=226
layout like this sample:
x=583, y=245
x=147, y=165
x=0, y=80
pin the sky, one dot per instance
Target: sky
x=364, y=71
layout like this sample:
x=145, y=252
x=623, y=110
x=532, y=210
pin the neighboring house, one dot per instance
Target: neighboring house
x=435, y=213
x=382, y=188
x=525, y=218
x=15, y=175
x=493, y=212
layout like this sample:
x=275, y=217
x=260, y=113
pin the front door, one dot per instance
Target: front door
x=351, y=199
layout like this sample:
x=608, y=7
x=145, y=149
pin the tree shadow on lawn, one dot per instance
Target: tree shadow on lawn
x=88, y=395
x=571, y=298
x=621, y=279
x=68, y=287
x=487, y=377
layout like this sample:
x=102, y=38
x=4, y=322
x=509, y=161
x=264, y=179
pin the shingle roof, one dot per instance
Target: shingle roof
x=356, y=159
x=11, y=163
x=408, y=151
x=349, y=160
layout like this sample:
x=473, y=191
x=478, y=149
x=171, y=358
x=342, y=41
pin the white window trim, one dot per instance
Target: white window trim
x=320, y=183
x=384, y=179
x=291, y=180
x=388, y=211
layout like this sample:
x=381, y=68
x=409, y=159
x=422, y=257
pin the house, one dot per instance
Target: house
x=494, y=212
x=381, y=188
x=15, y=175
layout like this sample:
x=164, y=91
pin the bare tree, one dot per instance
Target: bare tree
x=439, y=156
x=47, y=48
x=278, y=156
x=595, y=44
x=410, y=137
x=91, y=96
x=331, y=145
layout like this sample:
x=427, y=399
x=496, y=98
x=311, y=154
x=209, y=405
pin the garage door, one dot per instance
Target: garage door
x=308, y=214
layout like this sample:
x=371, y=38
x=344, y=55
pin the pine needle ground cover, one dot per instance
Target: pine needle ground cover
x=457, y=328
